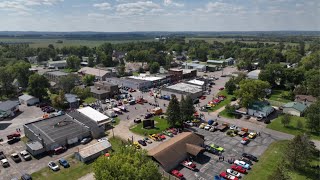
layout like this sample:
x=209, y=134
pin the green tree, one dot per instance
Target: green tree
x=313, y=117
x=281, y=173
x=107, y=61
x=173, y=112
x=299, y=124
x=38, y=85
x=126, y=163
x=91, y=61
x=121, y=70
x=73, y=62
x=66, y=83
x=285, y=120
x=230, y=86
x=293, y=56
x=88, y=79
x=58, y=101
x=230, y=109
x=6, y=79
x=82, y=93
x=154, y=68
x=21, y=72
x=312, y=82
x=186, y=109
x=250, y=91
x=273, y=73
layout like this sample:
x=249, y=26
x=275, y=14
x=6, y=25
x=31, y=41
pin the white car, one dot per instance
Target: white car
x=233, y=127
x=53, y=166
x=207, y=127
x=4, y=162
x=103, y=139
x=25, y=155
x=242, y=164
x=212, y=129
x=233, y=173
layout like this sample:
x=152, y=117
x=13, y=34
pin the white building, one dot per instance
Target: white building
x=183, y=89
x=28, y=100
x=95, y=115
x=93, y=151
x=57, y=64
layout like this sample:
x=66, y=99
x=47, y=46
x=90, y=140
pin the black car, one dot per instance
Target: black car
x=26, y=177
x=13, y=140
x=246, y=160
x=250, y=156
x=15, y=157
x=142, y=142
x=212, y=150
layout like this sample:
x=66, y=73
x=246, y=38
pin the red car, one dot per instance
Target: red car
x=222, y=88
x=228, y=176
x=239, y=169
x=162, y=136
x=203, y=97
x=173, y=131
x=11, y=136
x=177, y=174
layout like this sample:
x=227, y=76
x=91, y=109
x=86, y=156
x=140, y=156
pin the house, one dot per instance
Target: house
x=103, y=89
x=260, y=109
x=294, y=108
x=28, y=100
x=93, y=151
x=72, y=100
x=9, y=108
x=305, y=99
x=254, y=74
x=171, y=153
x=55, y=76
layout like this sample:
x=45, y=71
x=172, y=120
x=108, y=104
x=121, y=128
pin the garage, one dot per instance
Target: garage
x=28, y=100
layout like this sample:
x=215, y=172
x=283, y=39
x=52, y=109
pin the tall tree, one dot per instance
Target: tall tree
x=285, y=120
x=313, y=117
x=154, y=68
x=58, y=101
x=73, y=62
x=66, y=83
x=230, y=86
x=38, y=85
x=88, y=79
x=6, y=79
x=173, y=111
x=91, y=61
x=126, y=163
x=273, y=73
x=21, y=72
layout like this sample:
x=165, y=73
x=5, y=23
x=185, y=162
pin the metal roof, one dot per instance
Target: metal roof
x=93, y=114
x=26, y=97
x=7, y=105
x=94, y=149
x=184, y=87
x=296, y=105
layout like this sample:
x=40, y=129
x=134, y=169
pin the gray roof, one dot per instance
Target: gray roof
x=71, y=98
x=296, y=105
x=94, y=149
x=34, y=145
x=261, y=106
x=7, y=105
x=194, y=65
x=57, y=73
x=26, y=97
x=94, y=90
x=254, y=73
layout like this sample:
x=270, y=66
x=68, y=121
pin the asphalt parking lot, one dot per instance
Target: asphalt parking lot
x=209, y=165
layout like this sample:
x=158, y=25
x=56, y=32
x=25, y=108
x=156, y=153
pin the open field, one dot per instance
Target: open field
x=160, y=125
x=66, y=42
x=291, y=128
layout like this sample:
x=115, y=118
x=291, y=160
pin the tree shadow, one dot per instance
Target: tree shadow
x=4, y=125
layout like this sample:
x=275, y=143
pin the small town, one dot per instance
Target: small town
x=158, y=105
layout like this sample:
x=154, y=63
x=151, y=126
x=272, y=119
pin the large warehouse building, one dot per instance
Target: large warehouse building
x=183, y=89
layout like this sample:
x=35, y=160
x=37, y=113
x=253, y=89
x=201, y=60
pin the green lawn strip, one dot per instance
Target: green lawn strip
x=117, y=121
x=90, y=100
x=160, y=125
x=222, y=103
x=116, y=143
x=291, y=128
x=276, y=96
x=227, y=115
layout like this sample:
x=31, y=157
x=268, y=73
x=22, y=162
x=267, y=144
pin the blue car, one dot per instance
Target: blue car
x=216, y=177
x=64, y=163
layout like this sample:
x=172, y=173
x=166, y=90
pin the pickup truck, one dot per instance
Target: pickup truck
x=222, y=127
x=11, y=136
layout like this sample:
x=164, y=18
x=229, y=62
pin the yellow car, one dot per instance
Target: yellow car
x=136, y=145
x=252, y=135
x=202, y=125
x=152, y=136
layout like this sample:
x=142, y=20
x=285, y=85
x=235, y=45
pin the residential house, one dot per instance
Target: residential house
x=9, y=108
x=260, y=109
x=305, y=99
x=294, y=108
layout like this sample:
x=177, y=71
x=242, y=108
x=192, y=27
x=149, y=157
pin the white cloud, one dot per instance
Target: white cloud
x=137, y=8
x=220, y=7
x=171, y=3
x=102, y=6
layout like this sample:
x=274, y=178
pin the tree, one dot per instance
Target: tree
x=154, y=68
x=73, y=62
x=313, y=117
x=230, y=86
x=250, y=91
x=186, y=109
x=285, y=120
x=21, y=72
x=299, y=151
x=299, y=124
x=82, y=93
x=58, y=101
x=66, y=83
x=173, y=111
x=106, y=60
x=121, y=70
x=91, y=61
x=88, y=79
x=273, y=73
x=280, y=173
x=230, y=109
x=6, y=79
x=312, y=82
x=126, y=163
x=38, y=85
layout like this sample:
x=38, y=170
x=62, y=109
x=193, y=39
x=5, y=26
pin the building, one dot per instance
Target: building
x=28, y=100
x=72, y=100
x=55, y=76
x=57, y=64
x=103, y=89
x=171, y=153
x=260, y=109
x=294, y=108
x=212, y=67
x=131, y=83
x=156, y=80
x=198, y=67
x=32, y=59
x=183, y=89
x=179, y=74
x=220, y=63
x=9, y=108
x=100, y=119
x=93, y=151
x=196, y=82
x=305, y=99
x=100, y=74
x=254, y=74
x=230, y=61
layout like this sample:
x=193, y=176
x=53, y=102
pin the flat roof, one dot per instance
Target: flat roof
x=93, y=114
x=95, y=148
x=197, y=82
x=26, y=97
x=57, y=128
x=147, y=78
x=184, y=87
x=57, y=62
x=93, y=71
x=57, y=73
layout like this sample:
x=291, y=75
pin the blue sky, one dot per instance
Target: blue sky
x=159, y=15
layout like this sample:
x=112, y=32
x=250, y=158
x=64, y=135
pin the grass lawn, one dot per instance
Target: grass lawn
x=222, y=103
x=90, y=100
x=227, y=115
x=276, y=96
x=76, y=170
x=291, y=128
x=117, y=121
x=116, y=143
x=269, y=161
x=160, y=125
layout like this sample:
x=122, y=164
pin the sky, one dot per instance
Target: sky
x=159, y=15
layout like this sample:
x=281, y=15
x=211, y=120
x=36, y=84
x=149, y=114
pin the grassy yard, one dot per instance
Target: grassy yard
x=116, y=143
x=90, y=100
x=291, y=128
x=222, y=103
x=117, y=121
x=227, y=115
x=269, y=161
x=160, y=125
x=276, y=96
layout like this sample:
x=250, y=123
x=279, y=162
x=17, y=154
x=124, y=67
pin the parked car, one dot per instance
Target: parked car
x=53, y=166
x=142, y=142
x=85, y=140
x=59, y=150
x=136, y=145
x=233, y=173
x=242, y=164
x=147, y=140
x=252, y=135
x=246, y=160
x=189, y=165
x=137, y=120
x=218, y=148
x=11, y=136
x=259, y=118
x=212, y=150
x=207, y=127
x=250, y=156
x=5, y=163
x=64, y=163
x=245, y=141
x=13, y=140
x=222, y=88
x=26, y=177
x=177, y=174
x=212, y=129
x=148, y=115
x=239, y=169
x=15, y=157
x=2, y=156
x=25, y=155
x=228, y=176
x=233, y=127
x=202, y=125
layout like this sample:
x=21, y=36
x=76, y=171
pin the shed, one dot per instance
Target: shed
x=294, y=108
x=72, y=100
x=93, y=151
x=28, y=100
x=35, y=148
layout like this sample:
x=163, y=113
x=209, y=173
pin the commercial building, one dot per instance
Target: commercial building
x=254, y=74
x=100, y=74
x=103, y=89
x=57, y=64
x=97, y=117
x=260, y=109
x=198, y=67
x=179, y=74
x=131, y=83
x=305, y=99
x=294, y=108
x=222, y=62
x=199, y=83
x=183, y=89
x=9, y=108
x=28, y=100
x=156, y=80
x=171, y=153
x=55, y=76
x=93, y=151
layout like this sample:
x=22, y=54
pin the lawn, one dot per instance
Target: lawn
x=291, y=128
x=76, y=170
x=160, y=125
x=90, y=100
x=116, y=143
x=227, y=115
x=276, y=96
x=117, y=121
x=269, y=161
x=222, y=103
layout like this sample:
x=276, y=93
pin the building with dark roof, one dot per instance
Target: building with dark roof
x=72, y=100
x=9, y=108
x=305, y=99
x=104, y=89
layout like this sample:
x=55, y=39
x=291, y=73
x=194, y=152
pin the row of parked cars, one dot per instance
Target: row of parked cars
x=15, y=157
